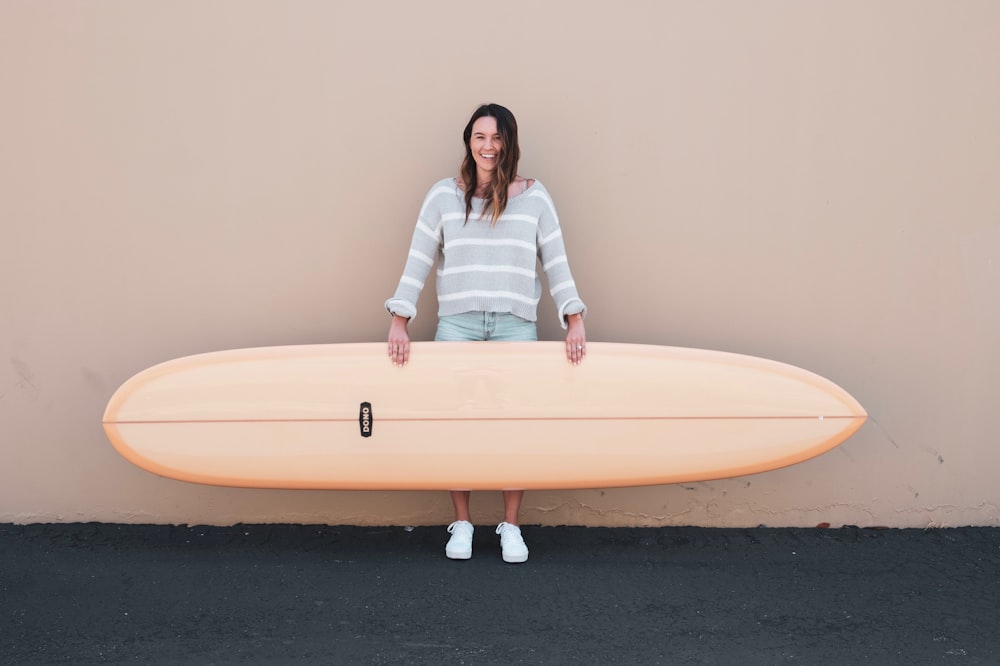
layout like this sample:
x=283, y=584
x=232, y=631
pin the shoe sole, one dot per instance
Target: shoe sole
x=460, y=555
x=515, y=559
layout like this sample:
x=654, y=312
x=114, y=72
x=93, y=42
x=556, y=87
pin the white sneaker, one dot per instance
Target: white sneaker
x=460, y=544
x=512, y=543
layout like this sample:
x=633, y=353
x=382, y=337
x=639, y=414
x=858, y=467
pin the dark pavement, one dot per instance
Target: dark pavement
x=276, y=594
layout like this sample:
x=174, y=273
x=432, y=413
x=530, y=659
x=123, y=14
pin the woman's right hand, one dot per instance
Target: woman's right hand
x=399, y=341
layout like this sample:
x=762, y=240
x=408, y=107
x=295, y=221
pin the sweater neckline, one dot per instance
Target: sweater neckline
x=509, y=199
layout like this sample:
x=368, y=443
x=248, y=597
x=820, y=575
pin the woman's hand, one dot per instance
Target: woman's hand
x=576, y=339
x=399, y=341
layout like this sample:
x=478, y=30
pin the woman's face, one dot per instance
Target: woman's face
x=485, y=145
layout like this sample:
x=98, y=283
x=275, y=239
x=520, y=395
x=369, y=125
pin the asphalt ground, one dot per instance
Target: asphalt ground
x=301, y=594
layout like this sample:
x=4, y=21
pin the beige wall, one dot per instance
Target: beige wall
x=814, y=182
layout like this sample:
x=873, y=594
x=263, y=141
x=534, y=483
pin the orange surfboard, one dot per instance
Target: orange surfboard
x=473, y=415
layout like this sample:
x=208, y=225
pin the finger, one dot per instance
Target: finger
x=394, y=353
x=575, y=351
x=401, y=355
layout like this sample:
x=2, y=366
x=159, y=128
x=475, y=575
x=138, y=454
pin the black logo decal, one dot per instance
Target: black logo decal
x=365, y=419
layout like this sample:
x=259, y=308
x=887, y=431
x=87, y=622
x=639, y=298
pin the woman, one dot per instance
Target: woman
x=486, y=230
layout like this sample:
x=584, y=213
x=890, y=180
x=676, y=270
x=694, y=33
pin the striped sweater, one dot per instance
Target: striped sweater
x=483, y=267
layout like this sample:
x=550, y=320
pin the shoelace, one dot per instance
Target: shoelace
x=459, y=523
x=504, y=528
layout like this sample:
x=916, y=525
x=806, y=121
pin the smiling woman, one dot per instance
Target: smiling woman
x=486, y=231
x=492, y=151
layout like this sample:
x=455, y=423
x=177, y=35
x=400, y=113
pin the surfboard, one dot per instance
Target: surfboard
x=473, y=415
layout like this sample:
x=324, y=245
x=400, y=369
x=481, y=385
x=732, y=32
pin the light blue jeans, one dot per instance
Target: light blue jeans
x=479, y=326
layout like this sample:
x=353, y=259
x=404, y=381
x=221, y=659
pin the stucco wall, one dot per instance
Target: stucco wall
x=814, y=182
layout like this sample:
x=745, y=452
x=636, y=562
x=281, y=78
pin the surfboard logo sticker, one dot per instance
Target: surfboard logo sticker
x=365, y=419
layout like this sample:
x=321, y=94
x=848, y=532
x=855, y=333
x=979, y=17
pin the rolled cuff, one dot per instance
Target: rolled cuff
x=571, y=307
x=401, y=308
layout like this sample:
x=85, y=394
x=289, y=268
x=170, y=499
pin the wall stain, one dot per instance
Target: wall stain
x=883, y=431
x=94, y=380
x=26, y=379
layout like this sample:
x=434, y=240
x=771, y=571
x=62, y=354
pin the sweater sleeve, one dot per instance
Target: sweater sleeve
x=552, y=252
x=424, y=249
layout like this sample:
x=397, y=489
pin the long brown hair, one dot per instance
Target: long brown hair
x=506, y=171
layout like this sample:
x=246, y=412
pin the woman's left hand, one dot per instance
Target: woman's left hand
x=576, y=339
